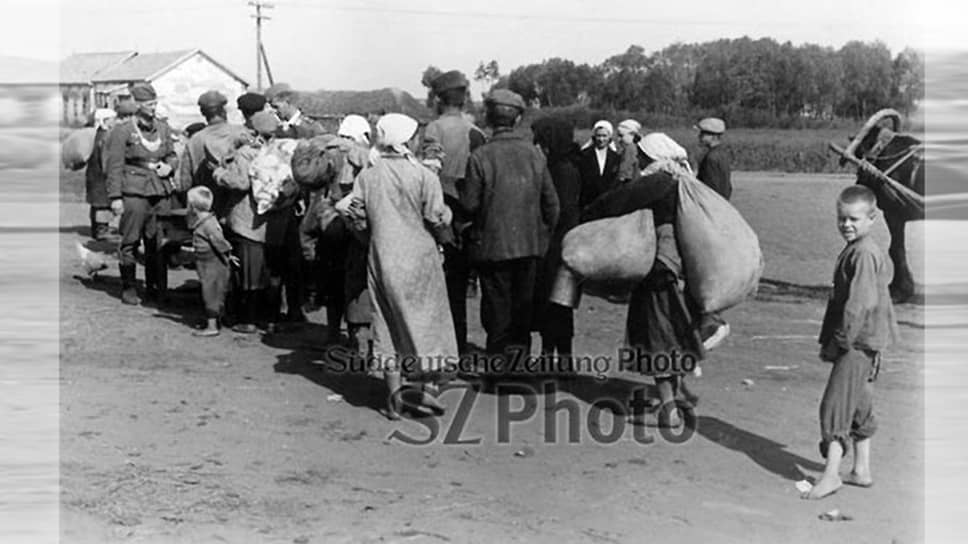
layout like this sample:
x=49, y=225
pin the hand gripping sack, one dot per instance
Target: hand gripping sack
x=721, y=254
x=614, y=249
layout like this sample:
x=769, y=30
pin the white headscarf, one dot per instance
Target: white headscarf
x=609, y=129
x=394, y=130
x=631, y=125
x=356, y=128
x=663, y=149
x=103, y=115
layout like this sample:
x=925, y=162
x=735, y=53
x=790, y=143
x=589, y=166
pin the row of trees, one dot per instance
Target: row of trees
x=736, y=78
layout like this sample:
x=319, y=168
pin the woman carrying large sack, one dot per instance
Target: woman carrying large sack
x=661, y=320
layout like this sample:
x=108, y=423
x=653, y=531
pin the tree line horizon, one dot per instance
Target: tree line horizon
x=751, y=83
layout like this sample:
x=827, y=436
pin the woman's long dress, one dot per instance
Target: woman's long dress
x=412, y=323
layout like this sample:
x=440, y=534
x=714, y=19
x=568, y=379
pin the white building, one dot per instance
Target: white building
x=179, y=77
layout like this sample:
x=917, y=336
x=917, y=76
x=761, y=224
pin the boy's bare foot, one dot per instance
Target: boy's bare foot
x=823, y=488
x=859, y=480
x=205, y=332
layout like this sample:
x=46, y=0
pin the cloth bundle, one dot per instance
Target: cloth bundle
x=270, y=170
x=613, y=249
x=721, y=255
x=77, y=148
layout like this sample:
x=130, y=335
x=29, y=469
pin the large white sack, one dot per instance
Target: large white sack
x=613, y=249
x=720, y=252
x=77, y=148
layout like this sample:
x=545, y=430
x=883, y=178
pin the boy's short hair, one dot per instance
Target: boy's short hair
x=200, y=198
x=858, y=193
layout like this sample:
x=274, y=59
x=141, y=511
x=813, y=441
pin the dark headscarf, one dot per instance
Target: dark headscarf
x=557, y=135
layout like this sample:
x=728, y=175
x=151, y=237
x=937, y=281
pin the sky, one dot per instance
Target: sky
x=368, y=44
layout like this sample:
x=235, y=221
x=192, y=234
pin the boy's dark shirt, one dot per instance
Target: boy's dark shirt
x=860, y=314
x=208, y=240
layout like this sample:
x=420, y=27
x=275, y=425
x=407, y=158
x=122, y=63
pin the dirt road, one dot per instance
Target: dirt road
x=170, y=438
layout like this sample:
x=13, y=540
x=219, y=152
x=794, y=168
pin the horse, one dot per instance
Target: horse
x=899, y=156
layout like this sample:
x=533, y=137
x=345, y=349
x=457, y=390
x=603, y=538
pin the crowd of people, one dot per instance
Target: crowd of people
x=387, y=228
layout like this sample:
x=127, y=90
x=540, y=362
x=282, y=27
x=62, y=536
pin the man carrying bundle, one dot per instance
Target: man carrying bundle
x=458, y=137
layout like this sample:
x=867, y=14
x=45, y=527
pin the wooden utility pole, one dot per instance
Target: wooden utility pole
x=259, y=50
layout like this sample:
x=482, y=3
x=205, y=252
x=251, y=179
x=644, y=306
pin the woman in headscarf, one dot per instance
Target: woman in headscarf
x=599, y=162
x=661, y=321
x=346, y=249
x=404, y=210
x=555, y=322
x=629, y=135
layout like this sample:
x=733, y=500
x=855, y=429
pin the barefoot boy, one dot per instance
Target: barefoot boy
x=858, y=324
x=212, y=256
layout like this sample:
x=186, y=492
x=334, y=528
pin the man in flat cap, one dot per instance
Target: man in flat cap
x=714, y=166
x=294, y=123
x=196, y=169
x=457, y=137
x=250, y=104
x=140, y=162
x=714, y=172
x=513, y=205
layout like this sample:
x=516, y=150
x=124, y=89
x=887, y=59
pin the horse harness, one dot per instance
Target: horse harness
x=915, y=152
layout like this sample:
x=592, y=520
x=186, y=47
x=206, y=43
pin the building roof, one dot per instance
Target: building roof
x=149, y=66
x=324, y=103
x=83, y=67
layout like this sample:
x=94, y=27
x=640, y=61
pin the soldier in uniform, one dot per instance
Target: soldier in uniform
x=294, y=123
x=140, y=162
x=458, y=137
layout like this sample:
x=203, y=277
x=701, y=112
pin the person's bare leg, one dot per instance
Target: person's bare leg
x=830, y=481
x=394, y=383
x=861, y=473
x=211, y=328
x=669, y=413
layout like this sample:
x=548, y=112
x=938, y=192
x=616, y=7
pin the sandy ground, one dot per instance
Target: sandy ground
x=170, y=438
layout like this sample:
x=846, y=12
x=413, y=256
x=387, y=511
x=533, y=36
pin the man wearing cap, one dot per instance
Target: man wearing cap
x=457, y=137
x=294, y=123
x=196, y=168
x=511, y=200
x=714, y=166
x=95, y=178
x=250, y=104
x=714, y=172
x=140, y=159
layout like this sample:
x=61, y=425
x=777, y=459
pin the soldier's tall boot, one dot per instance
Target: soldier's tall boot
x=129, y=295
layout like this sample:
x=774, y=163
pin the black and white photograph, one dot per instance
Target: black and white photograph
x=334, y=271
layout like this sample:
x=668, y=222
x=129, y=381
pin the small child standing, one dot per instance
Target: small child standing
x=212, y=257
x=858, y=324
